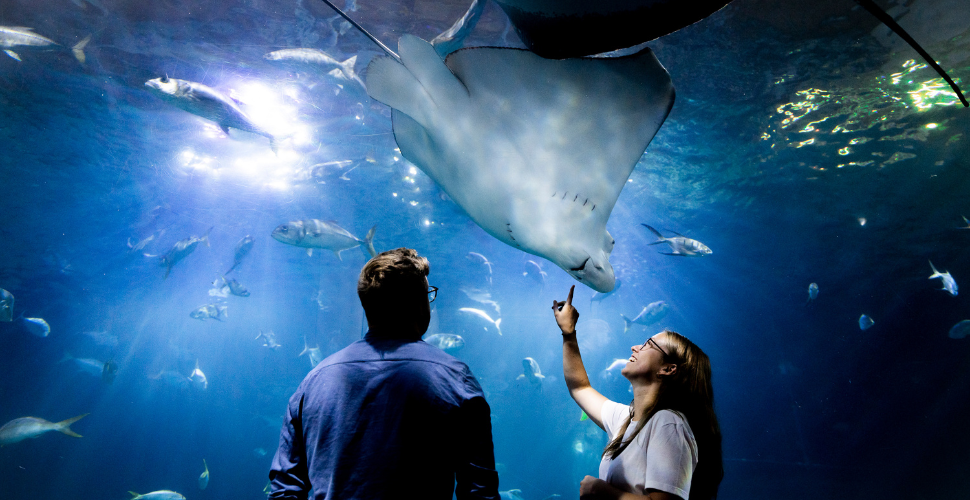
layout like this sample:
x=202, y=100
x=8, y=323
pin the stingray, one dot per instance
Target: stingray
x=536, y=151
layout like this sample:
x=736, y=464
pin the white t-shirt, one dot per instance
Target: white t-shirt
x=662, y=456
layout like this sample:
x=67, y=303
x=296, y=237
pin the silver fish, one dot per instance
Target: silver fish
x=235, y=288
x=949, y=284
x=534, y=271
x=447, y=342
x=960, y=330
x=652, y=313
x=181, y=250
x=18, y=36
x=479, y=258
x=36, y=326
x=681, y=245
x=598, y=297
x=812, y=291
x=269, y=339
x=204, y=477
x=482, y=314
x=198, y=378
x=90, y=366
x=531, y=372
x=314, y=233
x=313, y=353
x=213, y=311
x=482, y=297
x=204, y=101
x=157, y=495
x=342, y=70
x=137, y=246
x=242, y=249
x=19, y=429
x=6, y=305
x=865, y=322
x=610, y=372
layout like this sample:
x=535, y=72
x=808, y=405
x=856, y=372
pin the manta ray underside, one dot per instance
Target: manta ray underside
x=536, y=151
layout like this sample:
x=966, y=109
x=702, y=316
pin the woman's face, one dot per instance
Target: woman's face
x=645, y=359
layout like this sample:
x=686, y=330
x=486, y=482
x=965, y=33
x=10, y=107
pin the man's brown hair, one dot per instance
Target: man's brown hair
x=390, y=283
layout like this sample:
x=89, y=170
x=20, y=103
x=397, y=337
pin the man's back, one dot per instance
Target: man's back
x=382, y=418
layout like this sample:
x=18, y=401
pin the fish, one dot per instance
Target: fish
x=534, y=271
x=479, y=258
x=204, y=477
x=599, y=297
x=865, y=322
x=157, y=495
x=960, y=330
x=314, y=233
x=213, y=311
x=965, y=221
x=949, y=284
x=260, y=452
x=313, y=353
x=209, y=103
x=104, y=369
x=447, y=342
x=342, y=70
x=482, y=314
x=235, y=288
x=242, y=249
x=36, y=326
x=23, y=428
x=482, y=297
x=139, y=245
x=610, y=372
x=531, y=372
x=651, y=313
x=517, y=141
x=181, y=249
x=18, y=36
x=198, y=378
x=6, y=305
x=78, y=49
x=681, y=245
x=812, y=291
x=269, y=339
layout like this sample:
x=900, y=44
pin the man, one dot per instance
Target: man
x=389, y=415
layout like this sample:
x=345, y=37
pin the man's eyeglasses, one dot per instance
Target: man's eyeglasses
x=655, y=344
x=432, y=293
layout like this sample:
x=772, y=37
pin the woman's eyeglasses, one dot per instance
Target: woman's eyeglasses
x=432, y=293
x=655, y=344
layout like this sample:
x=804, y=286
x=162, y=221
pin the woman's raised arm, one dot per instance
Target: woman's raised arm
x=573, y=371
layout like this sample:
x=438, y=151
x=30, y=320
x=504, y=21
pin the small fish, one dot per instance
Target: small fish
x=242, y=249
x=235, y=288
x=137, y=246
x=598, y=297
x=949, y=284
x=511, y=495
x=204, y=478
x=260, y=452
x=960, y=330
x=652, y=313
x=36, y=326
x=22, y=428
x=181, y=250
x=812, y=291
x=198, y=378
x=447, y=342
x=482, y=314
x=210, y=311
x=157, y=495
x=965, y=221
x=6, y=305
x=91, y=366
x=209, y=103
x=480, y=259
x=531, y=372
x=314, y=233
x=534, y=271
x=109, y=372
x=865, y=322
x=482, y=297
x=16, y=36
x=342, y=71
x=313, y=353
x=269, y=339
x=78, y=49
x=610, y=372
x=681, y=245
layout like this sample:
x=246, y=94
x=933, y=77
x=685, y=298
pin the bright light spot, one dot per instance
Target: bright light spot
x=412, y=170
x=394, y=195
x=931, y=125
x=397, y=159
x=269, y=110
x=414, y=203
x=862, y=221
x=279, y=185
x=844, y=151
x=427, y=222
x=805, y=143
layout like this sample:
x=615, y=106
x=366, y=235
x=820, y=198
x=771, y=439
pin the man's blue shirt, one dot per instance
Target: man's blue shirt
x=386, y=418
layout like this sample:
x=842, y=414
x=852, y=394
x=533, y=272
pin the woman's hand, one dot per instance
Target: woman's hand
x=566, y=314
x=592, y=487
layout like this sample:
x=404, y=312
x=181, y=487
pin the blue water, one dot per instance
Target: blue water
x=809, y=405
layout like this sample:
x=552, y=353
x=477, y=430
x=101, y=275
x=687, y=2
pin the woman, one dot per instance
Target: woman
x=667, y=443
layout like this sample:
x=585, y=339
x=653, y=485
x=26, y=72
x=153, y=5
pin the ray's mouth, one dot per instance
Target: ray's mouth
x=582, y=267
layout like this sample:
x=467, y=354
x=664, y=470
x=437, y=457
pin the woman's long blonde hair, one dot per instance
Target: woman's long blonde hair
x=689, y=391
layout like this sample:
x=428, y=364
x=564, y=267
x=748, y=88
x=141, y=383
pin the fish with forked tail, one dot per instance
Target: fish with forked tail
x=242, y=249
x=23, y=428
x=949, y=284
x=181, y=250
x=651, y=313
x=209, y=103
x=213, y=311
x=680, y=244
x=315, y=233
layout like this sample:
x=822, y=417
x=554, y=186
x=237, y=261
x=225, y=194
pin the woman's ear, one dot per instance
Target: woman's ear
x=668, y=370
